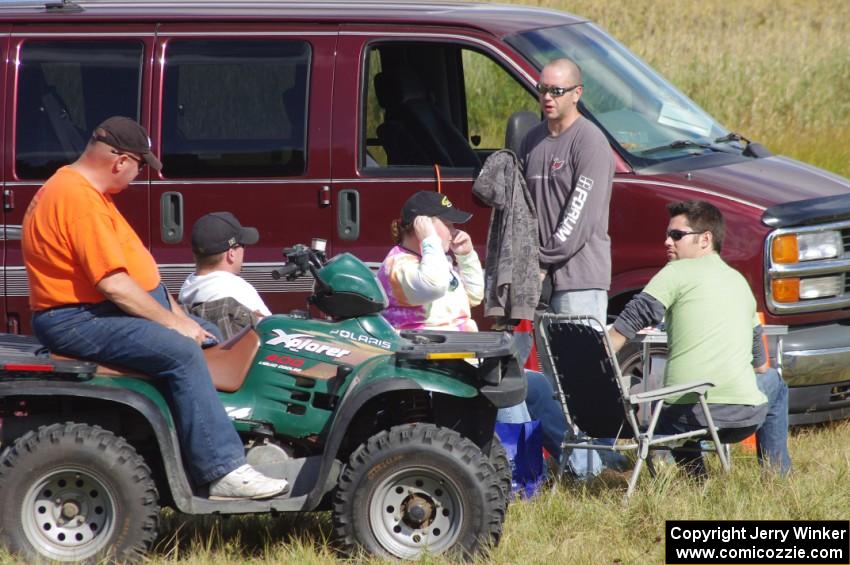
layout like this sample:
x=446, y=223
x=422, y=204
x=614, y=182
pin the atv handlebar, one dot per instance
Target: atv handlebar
x=301, y=260
x=285, y=272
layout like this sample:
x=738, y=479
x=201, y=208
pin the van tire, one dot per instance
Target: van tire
x=418, y=488
x=74, y=492
x=630, y=359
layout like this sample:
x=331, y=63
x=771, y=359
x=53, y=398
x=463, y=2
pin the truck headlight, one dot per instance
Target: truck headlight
x=796, y=289
x=795, y=247
x=821, y=287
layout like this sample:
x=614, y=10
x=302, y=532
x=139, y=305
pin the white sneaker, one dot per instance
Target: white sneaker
x=246, y=482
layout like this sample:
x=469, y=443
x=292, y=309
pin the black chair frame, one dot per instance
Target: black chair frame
x=596, y=399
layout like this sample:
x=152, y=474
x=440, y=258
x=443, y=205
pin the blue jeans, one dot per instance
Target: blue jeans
x=543, y=405
x=772, y=436
x=104, y=333
x=591, y=302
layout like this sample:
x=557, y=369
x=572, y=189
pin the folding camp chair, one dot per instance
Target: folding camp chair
x=596, y=399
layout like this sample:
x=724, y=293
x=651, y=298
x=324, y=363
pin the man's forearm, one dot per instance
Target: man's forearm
x=617, y=339
x=176, y=309
x=125, y=293
x=641, y=311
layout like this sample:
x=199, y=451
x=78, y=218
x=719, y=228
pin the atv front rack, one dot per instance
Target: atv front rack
x=494, y=352
x=430, y=344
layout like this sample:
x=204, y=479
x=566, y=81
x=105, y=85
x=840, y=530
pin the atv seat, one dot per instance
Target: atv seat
x=228, y=361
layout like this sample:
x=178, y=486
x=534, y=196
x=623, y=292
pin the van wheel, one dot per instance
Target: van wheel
x=631, y=362
x=631, y=365
x=417, y=489
x=74, y=492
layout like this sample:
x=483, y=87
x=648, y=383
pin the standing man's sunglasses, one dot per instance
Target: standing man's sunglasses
x=676, y=235
x=555, y=91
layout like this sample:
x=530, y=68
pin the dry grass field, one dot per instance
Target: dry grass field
x=574, y=523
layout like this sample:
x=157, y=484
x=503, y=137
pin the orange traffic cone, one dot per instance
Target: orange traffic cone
x=531, y=363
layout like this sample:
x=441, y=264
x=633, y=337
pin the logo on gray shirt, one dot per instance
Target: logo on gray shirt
x=583, y=187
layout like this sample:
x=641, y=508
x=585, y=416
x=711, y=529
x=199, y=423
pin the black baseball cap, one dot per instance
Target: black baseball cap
x=429, y=203
x=218, y=232
x=126, y=134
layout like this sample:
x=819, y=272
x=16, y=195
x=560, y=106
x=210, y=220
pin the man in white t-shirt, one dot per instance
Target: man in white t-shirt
x=218, y=244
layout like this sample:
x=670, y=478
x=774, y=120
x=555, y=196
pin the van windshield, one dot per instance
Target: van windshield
x=650, y=120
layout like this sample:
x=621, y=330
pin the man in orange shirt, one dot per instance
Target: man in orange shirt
x=95, y=293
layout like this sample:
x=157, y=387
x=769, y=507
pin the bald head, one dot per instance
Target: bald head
x=559, y=92
x=566, y=68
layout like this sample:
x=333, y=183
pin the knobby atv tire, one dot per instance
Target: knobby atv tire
x=502, y=465
x=74, y=492
x=398, y=476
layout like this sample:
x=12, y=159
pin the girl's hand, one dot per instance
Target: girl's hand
x=423, y=227
x=461, y=243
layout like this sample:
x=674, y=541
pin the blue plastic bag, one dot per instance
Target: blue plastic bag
x=524, y=445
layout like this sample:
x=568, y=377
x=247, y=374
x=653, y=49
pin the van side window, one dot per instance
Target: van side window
x=492, y=95
x=235, y=108
x=433, y=103
x=65, y=89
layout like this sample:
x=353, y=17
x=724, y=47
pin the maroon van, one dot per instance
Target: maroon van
x=317, y=119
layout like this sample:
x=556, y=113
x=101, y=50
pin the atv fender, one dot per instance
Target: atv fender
x=382, y=377
x=139, y=396
x=351, y=403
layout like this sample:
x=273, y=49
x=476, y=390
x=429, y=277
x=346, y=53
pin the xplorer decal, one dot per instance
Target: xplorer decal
x=305, y=342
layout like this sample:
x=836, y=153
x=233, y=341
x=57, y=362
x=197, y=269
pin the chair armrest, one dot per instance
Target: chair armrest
x=669, y=391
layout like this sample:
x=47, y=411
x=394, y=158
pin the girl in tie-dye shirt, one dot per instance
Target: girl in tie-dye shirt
x=425, y=290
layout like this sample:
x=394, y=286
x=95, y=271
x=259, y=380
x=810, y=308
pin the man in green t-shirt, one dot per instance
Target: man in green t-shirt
x=713, y=334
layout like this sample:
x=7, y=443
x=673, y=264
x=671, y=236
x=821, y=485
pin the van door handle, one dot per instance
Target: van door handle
x=171, y=215
x=348, y=214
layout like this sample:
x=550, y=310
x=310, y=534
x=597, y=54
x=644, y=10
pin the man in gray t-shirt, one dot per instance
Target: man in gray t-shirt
x=568, y=169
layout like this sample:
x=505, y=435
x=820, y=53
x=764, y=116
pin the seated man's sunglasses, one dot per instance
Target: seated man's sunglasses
x=555, y=91
x=676, y=235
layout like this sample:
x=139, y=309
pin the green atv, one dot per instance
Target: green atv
x=391, y=432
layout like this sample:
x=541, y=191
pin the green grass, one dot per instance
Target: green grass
x=576, y=523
